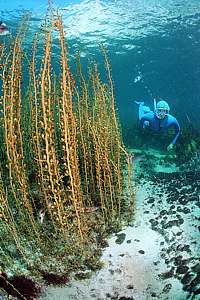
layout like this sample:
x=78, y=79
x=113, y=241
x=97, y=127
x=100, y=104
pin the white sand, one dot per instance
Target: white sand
x=126, y=272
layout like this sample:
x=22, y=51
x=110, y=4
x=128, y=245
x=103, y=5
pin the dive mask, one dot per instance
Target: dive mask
x=161, y=113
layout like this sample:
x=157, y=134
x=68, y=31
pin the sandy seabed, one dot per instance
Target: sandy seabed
x=155, y=257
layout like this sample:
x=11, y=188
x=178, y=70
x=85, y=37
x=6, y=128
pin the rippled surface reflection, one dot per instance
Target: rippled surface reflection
x=157, y=39
x=91, y=20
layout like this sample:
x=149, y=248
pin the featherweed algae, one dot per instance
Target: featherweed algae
x=63, y=179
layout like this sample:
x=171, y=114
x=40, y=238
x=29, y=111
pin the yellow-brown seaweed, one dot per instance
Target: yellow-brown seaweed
x=62, y=182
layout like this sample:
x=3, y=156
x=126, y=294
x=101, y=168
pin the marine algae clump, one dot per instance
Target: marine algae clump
x=62, y=187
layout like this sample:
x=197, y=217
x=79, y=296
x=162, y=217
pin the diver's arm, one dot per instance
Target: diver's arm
x=176, y=125
x=144, y=123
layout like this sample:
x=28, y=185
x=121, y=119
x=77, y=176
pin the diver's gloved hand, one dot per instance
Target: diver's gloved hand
x=170, y=147
x=145, y=124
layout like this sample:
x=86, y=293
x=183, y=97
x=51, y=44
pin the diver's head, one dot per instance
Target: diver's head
x=162, y=109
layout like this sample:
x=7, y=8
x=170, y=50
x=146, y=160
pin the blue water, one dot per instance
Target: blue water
x=157, y=40
x=153, y=48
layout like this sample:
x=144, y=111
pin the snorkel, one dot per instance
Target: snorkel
x=154, y=104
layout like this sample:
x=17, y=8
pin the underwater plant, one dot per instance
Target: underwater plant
x=63, y=187
x=188, y=149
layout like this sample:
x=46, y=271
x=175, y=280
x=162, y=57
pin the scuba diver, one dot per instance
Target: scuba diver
x=159, y=120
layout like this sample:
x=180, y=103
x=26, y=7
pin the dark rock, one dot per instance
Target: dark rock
x=167, y=261
x=179, y=209
x=196, y=292
x=120, y=238
x=167, y=288
x=186, y=210
x=196, y=268
x=171, y=224
x=130, y=287
x=154, y=295
x=151, y=200
x=182, y=269
x=180, y=221
x=194, y=198
x=179, y=233
x=155, y=228
x=179, y=216
x=178, y=260
x=160, y=194
x=153, y=222
x=185, y=261
x=172, y=207
x=197, y=203
x=183, y=200
x=163, y=255
x=163, y=212
x=183, y=248
x=172, y=212
x=196, y=281
x=193, y=285
x=187, y=278
x=108, y=295
x=168, y=274
x=141, y=251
